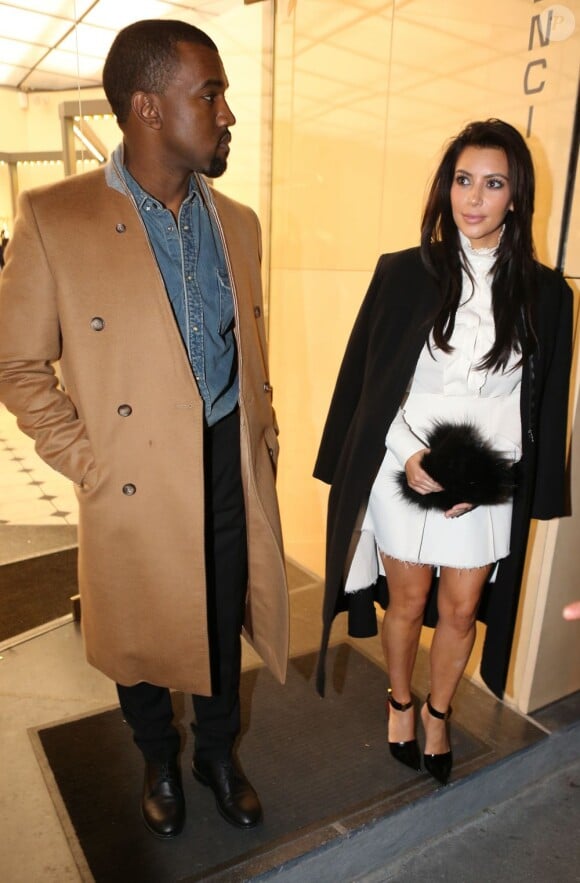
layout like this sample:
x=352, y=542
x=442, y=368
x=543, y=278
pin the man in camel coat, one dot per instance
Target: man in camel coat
x=144, y=284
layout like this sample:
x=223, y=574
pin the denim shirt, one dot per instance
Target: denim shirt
x=191, y=260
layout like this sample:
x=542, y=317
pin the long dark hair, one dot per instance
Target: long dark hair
x=514, y=270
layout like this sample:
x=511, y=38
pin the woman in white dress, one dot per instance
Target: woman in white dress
x=477, y=244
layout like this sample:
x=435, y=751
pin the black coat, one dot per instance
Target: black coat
x=391, y=329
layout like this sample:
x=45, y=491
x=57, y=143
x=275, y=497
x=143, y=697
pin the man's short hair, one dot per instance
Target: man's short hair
x=143, y=58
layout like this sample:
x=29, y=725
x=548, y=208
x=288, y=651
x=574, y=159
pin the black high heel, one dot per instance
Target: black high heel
x=439, y=765
x=405, y=752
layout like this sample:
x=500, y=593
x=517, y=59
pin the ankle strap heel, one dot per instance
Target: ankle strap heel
x=440, y=715
x=398, y=706
x=407, y=752
x=438, y=765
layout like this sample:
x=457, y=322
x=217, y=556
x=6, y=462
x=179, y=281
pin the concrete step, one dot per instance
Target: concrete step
x=529, y=838
x=371, y=853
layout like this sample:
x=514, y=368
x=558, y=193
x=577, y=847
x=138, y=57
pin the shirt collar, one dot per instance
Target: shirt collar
x=141, y=196
x=470, y=251
x=116, y=177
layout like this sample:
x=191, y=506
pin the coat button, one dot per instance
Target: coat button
x=129, y=490
x=120, y=228
x=97, y=324
x=257, y=312
x=267, y=387
x=124, y=410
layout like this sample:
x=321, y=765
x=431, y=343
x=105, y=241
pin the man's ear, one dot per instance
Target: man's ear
x=144, y=106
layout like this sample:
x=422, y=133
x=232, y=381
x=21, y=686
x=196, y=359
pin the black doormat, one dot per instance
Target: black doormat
x=321, y=767
x=36, y=591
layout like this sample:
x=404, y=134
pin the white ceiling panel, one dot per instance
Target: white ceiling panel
x=93, y=42
x=45, y=29
x=64, y=8
x=20, y=53
x=115, y=14
x=68, y=64
x=40, y=39
x=10, y=75
x=36, y=81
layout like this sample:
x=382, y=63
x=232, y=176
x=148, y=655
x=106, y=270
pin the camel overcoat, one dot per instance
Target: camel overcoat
x=81, y=286
x=391, y=329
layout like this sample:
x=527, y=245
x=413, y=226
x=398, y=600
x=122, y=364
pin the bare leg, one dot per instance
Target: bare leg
x=458, y=600
x=408, y=589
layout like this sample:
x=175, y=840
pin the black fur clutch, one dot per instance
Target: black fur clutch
x=466, y=466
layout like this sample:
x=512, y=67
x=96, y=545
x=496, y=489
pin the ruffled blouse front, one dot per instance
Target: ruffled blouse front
x=457, y=373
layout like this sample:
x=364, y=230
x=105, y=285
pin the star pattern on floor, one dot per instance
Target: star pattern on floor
x=32, y=492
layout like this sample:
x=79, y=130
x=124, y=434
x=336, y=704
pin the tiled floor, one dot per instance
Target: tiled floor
x=32, y=492
x=38, y=507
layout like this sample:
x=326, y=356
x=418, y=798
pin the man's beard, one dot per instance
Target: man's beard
x=217, y=167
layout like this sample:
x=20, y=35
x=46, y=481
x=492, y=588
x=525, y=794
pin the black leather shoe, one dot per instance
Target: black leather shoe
x=404, y=752
x=439, y=765
x=163, y=806
x=236, y=800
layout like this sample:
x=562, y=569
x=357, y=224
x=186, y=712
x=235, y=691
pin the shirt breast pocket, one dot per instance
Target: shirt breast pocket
x=226, y=303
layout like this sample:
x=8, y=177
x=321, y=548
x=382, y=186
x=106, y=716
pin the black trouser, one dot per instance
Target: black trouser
x=146, y=707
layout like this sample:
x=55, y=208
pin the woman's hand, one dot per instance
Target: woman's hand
x=421, y=482
x=417, y=479
x=458, y=509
